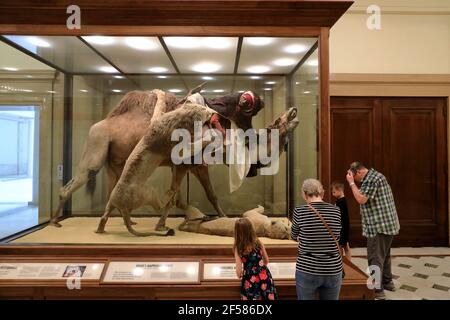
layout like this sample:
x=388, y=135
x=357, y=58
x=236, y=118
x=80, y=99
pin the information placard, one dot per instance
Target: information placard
x=219, y=271
x=227, y=271
x=152, y=272
x=50, y=271
x=282, y=270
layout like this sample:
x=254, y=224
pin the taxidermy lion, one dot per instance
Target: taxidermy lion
x=197, y=222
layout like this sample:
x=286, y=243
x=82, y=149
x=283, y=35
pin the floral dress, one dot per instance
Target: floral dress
x=257, y=282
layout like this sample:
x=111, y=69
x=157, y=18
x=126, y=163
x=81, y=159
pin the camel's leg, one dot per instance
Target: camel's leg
x=93, y=158
x=178, y=173
x=160, y=106
x=202, y=174
x=104, y=219
x=113, y=173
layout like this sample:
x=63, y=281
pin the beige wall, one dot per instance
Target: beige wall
x=414, y=39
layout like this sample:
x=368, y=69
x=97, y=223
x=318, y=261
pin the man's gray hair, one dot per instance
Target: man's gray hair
x=312, y=187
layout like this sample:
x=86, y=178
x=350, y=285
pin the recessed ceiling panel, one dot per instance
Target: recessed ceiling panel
x=133, y=54
x=68, y=53
x=272, y=55
x=203, y=54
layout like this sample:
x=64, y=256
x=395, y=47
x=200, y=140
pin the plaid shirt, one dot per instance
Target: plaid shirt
x=378, y=213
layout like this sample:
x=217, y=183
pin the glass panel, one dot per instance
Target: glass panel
x=306, y=97
x=68, y=53
x=96, y=93
x=31, y=113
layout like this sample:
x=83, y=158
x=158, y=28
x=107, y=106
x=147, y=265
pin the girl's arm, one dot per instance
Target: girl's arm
x=238, y=264
x=264, y=255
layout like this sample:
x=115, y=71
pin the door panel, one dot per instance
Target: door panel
x=412, y=165
x=405, y=139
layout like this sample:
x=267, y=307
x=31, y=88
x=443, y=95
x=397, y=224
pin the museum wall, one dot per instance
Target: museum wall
x=409, y=56
x=414, y=39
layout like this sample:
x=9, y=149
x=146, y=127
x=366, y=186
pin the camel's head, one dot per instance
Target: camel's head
x=286, y=123
x=279, y=230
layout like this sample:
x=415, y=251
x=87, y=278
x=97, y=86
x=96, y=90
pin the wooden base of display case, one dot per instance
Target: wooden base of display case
x=354, y=285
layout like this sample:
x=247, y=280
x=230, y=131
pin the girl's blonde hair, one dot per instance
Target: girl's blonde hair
x=245, y=238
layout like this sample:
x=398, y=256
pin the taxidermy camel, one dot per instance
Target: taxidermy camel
x=112, y=140
x=155, y=148
x=151, y=151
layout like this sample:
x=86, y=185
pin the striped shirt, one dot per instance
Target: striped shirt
x=317, y=251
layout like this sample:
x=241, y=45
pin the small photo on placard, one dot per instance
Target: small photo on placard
x=74, y=271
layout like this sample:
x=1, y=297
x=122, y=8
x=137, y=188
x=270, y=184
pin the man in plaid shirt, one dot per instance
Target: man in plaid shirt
x=379, y=219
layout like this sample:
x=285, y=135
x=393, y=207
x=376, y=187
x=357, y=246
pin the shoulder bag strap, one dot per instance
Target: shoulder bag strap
x=328, y=228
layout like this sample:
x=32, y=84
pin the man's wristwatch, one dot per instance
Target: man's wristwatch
x=352, y=184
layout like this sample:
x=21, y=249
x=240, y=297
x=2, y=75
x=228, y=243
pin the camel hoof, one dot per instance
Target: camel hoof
x=162, y=228
x=99, y=231
x=56, y=224
x=171, y=232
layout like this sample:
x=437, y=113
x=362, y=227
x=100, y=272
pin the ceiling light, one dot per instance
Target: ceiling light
x=162, y=77
x=51, y=91
x=313, y=63
x=175, y=90
x=258, y=69
x=284, y=62
x=267, y=89
x=84, y=90
x=182, y=42
x=10, y=69
x=241, y=91
x=306, y=92
x=38, y=42
x=26, y=90
x=259, y=41
x=216, y=42
x=116, y=90
x=119, y=77
x=295, y=48
x=218, y=90
x=255, y=77
x=270, y=82
x=207, y=78
x=158, y=69
x=206, y=67
x=100, y=40
x=108, y=69
x=141, y=43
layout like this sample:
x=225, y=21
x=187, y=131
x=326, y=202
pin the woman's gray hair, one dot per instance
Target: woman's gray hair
x=312, y=187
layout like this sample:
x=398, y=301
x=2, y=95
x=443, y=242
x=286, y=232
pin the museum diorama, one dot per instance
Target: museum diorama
x=134, y=143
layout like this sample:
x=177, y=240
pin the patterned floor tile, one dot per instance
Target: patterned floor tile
x=432, y=294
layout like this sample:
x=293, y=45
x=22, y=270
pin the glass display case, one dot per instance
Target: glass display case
x=67, y=84
x=59, y=90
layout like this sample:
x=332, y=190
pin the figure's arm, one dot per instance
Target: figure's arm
x=264, y=255
x=359, y=197
x=295, y=228
x=238, y=264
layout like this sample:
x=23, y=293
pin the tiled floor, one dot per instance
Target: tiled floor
x=417, y=277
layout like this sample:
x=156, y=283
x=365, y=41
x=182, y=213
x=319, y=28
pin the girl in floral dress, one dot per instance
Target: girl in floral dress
x=249, y=252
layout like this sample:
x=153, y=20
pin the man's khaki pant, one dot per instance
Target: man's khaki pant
x=379, y=254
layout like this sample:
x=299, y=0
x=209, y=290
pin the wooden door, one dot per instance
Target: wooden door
x=405, y=139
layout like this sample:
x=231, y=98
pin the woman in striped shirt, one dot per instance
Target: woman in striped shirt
x=319, y=264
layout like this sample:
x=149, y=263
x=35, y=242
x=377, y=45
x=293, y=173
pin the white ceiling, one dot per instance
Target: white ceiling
x=192, y=55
